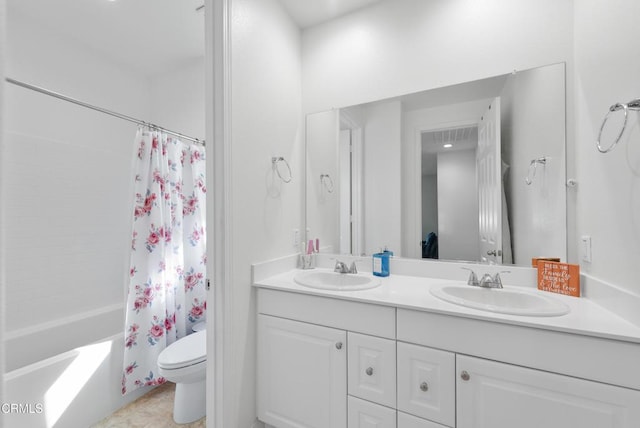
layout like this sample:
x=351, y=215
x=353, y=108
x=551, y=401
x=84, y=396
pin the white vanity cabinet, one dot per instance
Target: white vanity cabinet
x=325, y=362
x=302, y=370
x=497, y=395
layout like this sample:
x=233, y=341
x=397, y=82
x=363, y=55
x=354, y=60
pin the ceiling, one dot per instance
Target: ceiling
x=460, y=138
x=307, y=13
x=151, y=35
x=145, y=35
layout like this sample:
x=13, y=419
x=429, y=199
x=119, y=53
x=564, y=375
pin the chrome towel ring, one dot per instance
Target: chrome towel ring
x=274, y=165
x=327, y=182
x=631, y=105
x=534, y=164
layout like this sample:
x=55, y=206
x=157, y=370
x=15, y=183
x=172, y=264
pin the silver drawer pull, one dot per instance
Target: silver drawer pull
x=339, y=345
x=424, y=387
x=369, y=371
x=465, y=375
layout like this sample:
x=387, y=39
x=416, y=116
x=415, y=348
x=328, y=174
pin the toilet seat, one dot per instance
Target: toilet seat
x=188, y=351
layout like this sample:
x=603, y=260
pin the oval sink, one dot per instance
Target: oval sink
x=328, y=280
x=504, y=301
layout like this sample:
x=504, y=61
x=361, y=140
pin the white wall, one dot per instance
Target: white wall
x=533, y=126
x=382, y=203
x=68, y=174
x=403, y=46
x=177, y=98
x=457, y=206
x=607, y=67
x=429, y=204
x=266, y=121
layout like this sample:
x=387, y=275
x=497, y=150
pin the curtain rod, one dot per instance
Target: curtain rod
x=102, y=110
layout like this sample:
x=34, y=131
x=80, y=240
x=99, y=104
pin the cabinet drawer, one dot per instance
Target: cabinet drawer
x=408, y=421
x=426, y=383
x=364, y=414
x=372, y=368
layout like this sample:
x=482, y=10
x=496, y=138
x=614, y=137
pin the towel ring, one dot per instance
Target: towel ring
x=534, y=163
x=328, y=183
x=274, y=165
x=631, y=105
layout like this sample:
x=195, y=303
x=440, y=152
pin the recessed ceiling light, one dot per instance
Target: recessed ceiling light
x=448, y=146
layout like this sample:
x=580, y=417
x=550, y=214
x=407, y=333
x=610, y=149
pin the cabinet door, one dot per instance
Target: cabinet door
x=372, y=368
x=302, y=372
x=426, y=383
x=363, y=414
x=497, y=395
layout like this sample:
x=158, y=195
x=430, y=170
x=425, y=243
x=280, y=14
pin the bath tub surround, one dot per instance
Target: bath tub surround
x=403, y=357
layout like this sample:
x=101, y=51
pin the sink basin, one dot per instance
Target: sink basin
x=328, y=280
x=504, y=301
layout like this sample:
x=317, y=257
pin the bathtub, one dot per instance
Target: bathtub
x=66, y=373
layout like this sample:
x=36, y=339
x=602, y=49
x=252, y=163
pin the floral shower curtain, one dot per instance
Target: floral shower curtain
x=168, y=253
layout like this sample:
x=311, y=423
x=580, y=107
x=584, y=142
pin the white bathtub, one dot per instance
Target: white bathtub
x=73, y=371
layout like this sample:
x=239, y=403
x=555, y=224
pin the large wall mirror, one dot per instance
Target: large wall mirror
x=470, y=172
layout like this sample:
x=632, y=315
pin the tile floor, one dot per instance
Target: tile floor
x=152, y=410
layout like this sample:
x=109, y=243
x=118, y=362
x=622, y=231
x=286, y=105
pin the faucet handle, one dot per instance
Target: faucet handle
x=340, y=267
x=473, y=278
x=497, y=280
x=353, y=268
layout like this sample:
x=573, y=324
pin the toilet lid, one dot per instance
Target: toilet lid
x=184, y=352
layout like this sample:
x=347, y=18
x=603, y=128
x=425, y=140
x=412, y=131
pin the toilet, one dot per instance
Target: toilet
x=184, y=363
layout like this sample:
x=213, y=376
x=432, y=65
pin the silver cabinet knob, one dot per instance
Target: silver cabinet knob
x=424, y=387
x=369, y=371
x=491, y=252
x=339, y=345
x=465, y=375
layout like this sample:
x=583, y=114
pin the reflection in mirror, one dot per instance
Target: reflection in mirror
x=470, y=172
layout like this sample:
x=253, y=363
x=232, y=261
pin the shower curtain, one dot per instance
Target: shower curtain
x=168, y=253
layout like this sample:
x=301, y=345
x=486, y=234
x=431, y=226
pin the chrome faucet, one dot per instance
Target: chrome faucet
x=341, y=267
x=487, y=281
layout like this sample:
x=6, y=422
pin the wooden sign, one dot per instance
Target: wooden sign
x=535, y=260
x=561, y=278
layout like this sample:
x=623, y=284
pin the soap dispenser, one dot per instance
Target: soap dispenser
x=381, y=263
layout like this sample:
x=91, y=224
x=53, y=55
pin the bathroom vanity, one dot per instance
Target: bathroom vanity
x=396, y=356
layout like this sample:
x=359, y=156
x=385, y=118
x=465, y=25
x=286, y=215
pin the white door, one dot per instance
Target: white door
x=302, y=372
x=497, y=395
x=489, y=176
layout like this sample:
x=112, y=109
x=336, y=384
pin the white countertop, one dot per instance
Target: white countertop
x=412, y=292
